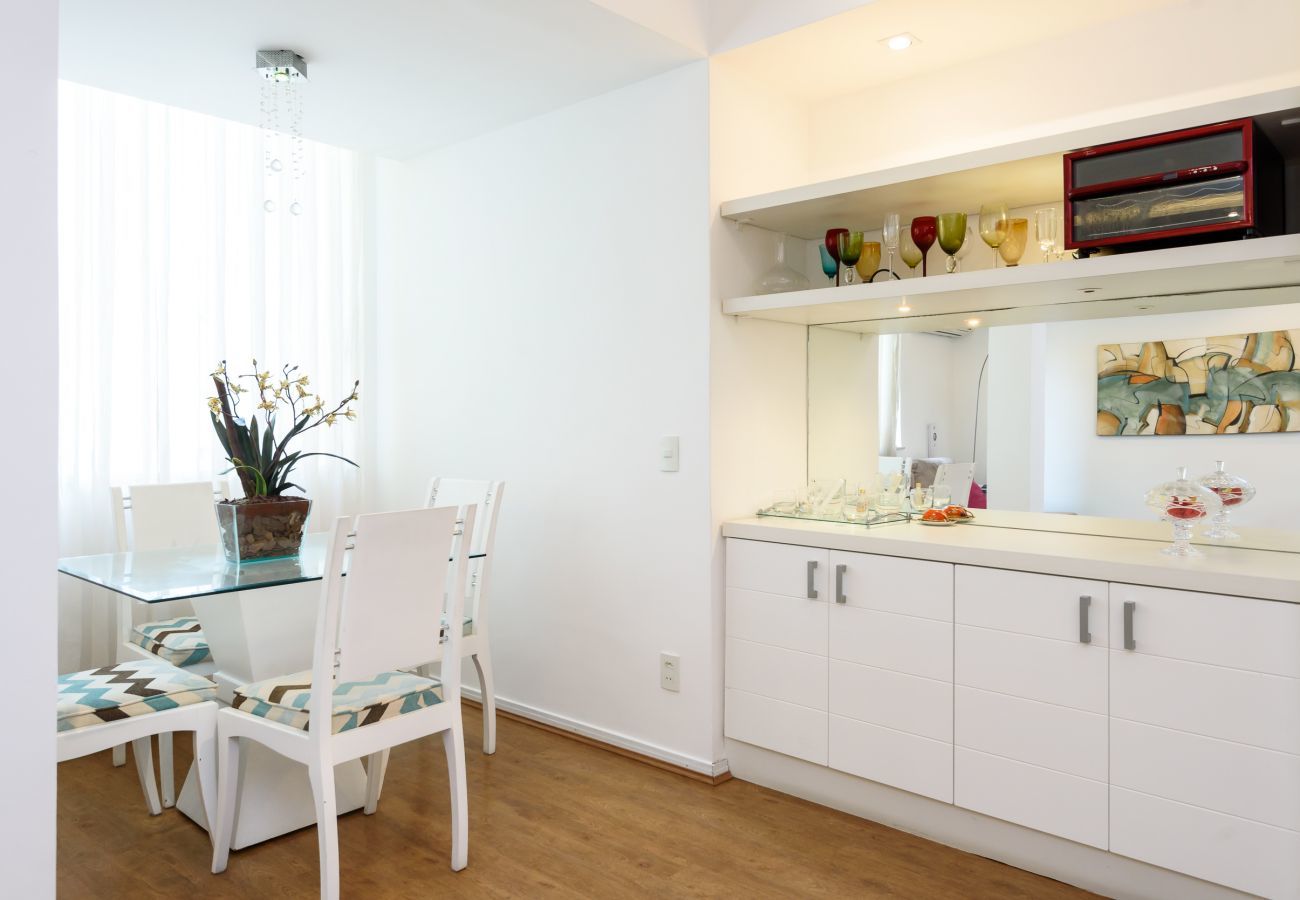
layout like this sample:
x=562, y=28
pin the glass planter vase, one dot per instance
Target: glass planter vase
x=262, y=529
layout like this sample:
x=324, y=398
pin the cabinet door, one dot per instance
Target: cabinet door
x=784, y=569
x=787, y=728
x=1030, y=725
x=1205, y=736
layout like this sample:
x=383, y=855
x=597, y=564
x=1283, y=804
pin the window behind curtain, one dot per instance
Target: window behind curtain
x=169, y=263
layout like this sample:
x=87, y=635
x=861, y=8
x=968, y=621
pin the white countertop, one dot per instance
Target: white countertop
x=1267, y=574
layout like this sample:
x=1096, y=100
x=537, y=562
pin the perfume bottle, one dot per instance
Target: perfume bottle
x=1232, y=492
x=1183, y=503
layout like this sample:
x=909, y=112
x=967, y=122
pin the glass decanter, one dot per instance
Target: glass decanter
x=781, y=278
x=1183, y=503
x=1232, y=492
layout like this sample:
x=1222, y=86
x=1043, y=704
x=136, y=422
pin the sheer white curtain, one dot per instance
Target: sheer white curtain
x=169, y=262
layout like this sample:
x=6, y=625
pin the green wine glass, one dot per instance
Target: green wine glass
x=850, y=247
x=952, y=234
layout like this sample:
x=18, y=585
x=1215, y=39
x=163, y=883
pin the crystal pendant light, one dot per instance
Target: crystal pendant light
x=283, y=73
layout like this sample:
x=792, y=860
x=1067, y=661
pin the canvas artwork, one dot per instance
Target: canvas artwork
x=1238, y=384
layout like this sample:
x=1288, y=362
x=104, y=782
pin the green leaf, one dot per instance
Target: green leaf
x=253, y=445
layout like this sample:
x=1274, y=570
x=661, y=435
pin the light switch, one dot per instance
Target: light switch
x=669, y=454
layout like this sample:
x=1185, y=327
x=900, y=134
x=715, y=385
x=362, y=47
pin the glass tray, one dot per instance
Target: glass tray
x=872, y=519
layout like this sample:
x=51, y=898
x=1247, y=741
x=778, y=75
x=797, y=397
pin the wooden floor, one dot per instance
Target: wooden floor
x=549, y=817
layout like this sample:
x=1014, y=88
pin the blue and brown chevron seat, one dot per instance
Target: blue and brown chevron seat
x=133, y=688
x=180, y=641
x=284, y=699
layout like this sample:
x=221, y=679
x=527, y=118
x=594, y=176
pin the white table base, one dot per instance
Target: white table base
x=259, y=634
x=275, y=795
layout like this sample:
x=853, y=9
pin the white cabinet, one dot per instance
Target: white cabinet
x=891, y=671
x=1205, y=736
x=1030, y=724
x=775, y=666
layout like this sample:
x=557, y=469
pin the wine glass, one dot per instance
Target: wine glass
x=830, y=265
x=993, y=226
x=1045, y=230
x=889, y=235
x=1013, y=246
x=951, y=229
x=832, y=243
x=923, y=234
x=869, y=262
x=908, y=250
x=850, y=247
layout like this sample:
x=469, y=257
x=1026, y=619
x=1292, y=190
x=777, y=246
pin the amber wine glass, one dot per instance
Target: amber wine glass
x=993, y=227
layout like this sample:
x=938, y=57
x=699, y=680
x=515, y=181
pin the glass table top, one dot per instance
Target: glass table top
x=156, y=576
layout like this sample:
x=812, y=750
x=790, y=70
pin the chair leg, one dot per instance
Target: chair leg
x=483, y=663
x=205, y=762
x=453, y=742
x=166, y=776
x=142, y=750
x=327, y=827
x=119, y=755
x=223, y=830
x=376, y=766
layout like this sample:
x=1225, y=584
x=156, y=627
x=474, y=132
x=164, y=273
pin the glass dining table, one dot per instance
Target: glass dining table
x=260, y=621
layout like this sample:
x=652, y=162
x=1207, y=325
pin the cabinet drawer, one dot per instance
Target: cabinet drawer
x=1247, y=707
x=1068, y=674
x=1042, y=734
x=1060, y=804
x=908, y=703
x=1240, y=632
x=912, y=587
x=1224, y=849
x=1227, y=777
x=1028, y=603
x=775, y=673
x=775, y=568
x=784, y=727
x=904, y=761
x=794, y=623
x=890, y=641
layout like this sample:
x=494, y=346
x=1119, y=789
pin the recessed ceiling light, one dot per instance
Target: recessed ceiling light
x=900, y=41
x=904, y=308
x=1088, y=290
x=972, y=323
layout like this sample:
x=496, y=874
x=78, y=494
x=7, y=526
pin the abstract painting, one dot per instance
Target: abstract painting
x=1237, y=384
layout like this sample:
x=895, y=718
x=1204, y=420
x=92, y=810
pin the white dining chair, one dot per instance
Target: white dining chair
x=487, y=496
x=158, y=517
x=131, y=701
x=356, y=702
x=957, y=477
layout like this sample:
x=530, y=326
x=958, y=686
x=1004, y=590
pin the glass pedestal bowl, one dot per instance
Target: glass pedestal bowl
x=1183, y=503
x=1232, y=492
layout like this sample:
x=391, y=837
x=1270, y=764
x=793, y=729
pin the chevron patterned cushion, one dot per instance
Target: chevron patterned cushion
x=284, y=698
x=180, y=641
x=127, y=689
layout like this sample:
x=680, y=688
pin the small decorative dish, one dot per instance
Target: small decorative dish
x=958, y=514
x=935, y=517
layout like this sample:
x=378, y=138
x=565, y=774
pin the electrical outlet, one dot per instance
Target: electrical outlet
x=670, y=671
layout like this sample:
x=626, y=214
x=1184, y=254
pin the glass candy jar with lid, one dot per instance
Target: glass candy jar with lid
x=1183, y=503
x=1232, y=492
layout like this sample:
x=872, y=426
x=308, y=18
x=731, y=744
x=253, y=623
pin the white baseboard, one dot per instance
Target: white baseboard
x=595, y=733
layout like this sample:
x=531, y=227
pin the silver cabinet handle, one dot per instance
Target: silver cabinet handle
x=1085, y=635
x=839, y=584
x=812, y=575
x=1129, y=643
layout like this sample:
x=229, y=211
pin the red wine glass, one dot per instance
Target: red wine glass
x=924, y=231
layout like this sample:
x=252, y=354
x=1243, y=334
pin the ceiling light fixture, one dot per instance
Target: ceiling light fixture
x=972, y=323
x=283, y=74
x=900, y=41
x=903, y=307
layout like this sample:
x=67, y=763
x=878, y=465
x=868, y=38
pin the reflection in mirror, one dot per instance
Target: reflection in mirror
x=1015, y=409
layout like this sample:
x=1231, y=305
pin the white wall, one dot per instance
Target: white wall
x=843, y=428
x=29, y=369
x=1016, y=399
x=545, y=321
x=1087, y=474
x=968, y=355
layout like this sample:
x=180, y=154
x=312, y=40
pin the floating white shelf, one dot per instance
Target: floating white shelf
x=1208, y=276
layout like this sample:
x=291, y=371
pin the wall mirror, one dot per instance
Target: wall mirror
x=1072, y=419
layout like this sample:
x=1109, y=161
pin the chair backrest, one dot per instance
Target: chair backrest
x=894, y=465
x=487, y=496
x=957, y=477
x=386, y=614
x=165, y=515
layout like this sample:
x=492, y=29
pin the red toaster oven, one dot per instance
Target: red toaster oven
x=1214, y=182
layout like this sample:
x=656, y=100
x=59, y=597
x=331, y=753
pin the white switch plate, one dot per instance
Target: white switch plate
x=669, y=454
x=670, y=671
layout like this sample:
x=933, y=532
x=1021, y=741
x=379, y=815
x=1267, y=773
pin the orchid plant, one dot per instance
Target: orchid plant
x=256, y=453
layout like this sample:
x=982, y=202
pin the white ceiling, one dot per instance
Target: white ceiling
x=395, y=77
x=842, y=55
